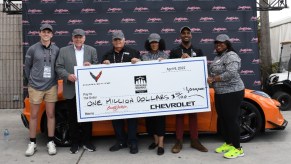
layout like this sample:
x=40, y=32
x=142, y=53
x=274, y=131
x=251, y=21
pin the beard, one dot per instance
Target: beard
x=185, y=42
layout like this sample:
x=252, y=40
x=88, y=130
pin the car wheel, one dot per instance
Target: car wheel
x=284, y=98
x=251, y=121
x=62, y=137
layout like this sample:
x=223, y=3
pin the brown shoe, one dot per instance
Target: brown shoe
x=177, y=147
x=197, y=145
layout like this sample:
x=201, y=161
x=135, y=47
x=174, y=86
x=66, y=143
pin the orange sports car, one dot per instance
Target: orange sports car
x=259, y=112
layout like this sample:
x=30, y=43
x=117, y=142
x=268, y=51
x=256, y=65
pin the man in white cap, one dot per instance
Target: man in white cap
x=78, y=54
x=186, y=50
x=119, y=54
x=42, y=85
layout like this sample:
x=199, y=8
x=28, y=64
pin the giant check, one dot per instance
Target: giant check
x=150, y=88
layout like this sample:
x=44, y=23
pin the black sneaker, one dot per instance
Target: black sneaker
x=117, y=147
x=133, y=149
x=74, y=148
x=90, y=147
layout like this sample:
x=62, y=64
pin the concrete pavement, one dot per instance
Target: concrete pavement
x=268, y=148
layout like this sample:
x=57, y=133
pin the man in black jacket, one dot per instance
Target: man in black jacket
x=120, y=54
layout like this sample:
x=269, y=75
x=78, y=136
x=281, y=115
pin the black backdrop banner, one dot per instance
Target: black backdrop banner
x=138, y=18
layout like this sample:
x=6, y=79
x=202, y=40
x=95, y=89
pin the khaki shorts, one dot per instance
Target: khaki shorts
x=36, y=96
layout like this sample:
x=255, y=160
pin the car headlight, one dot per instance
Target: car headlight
x=261, y=93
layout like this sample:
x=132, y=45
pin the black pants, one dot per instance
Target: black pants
x=156, y=125
x=228, y=112
x=79, y=132
x=119, y=129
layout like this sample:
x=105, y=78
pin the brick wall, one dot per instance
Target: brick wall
x=11, y=61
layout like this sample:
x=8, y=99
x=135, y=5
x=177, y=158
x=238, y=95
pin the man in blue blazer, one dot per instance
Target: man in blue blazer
x=77, y=54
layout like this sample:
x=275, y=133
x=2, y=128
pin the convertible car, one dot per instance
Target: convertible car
x=259, y=113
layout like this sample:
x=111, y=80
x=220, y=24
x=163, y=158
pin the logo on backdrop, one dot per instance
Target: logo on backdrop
x=128, y=20
x=177, y=41
x=33, y=33
x=110, y=31
x=234, y=40
x=245, y=29
x=34, y=11
x=206, y=41
x=75, y=22
x=101, y=21
x=141, y=9
x=48, y=1
x=61, y=33
x=231, y=19
x=47, y=21
x=90, y=32
x=25, y=22
x=88, y=11
x=101, y=43
x=193, y=8
x=154, y=20
x=168, y=30
x=167, y=9
x=256, y=61
x=244, y=8
x=254, y=40
x=140, y=84
x=61, y=11
x=114, y=10
x=196, y=30
x=206, y=19
x=219, y=29
x=141, y=31
x=180, y=19
x=246, y=50
x=74, y=1
x=219, y=8
x=25, y=44
x=130, y=42
x=257, y=83
x=253, y=18
x=247, y=72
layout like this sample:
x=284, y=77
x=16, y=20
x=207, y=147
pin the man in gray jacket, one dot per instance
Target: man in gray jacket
x=77, y=54
x=42, y=85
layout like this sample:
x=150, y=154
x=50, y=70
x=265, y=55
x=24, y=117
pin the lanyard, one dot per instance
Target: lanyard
x=50, y=56
x=115, y=59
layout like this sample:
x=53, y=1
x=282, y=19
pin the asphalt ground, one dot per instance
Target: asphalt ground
x=268, y=148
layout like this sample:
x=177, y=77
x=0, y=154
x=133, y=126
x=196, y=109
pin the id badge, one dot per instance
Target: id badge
x=47, y=72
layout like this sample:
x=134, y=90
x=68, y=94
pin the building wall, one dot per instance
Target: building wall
x=11, y=61
x=280, y=31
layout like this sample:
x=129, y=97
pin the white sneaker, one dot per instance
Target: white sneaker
x=30, y=149
x=51, y=148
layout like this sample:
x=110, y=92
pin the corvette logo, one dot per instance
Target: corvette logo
x=96, y=78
